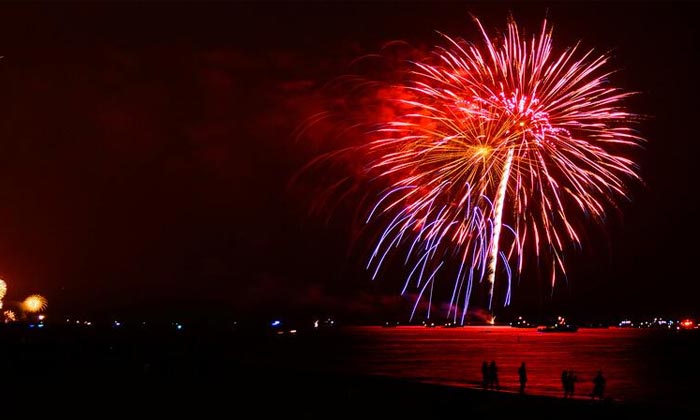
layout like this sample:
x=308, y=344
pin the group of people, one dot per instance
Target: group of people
x=569, y=379
x=489, y=372
x=568, y=382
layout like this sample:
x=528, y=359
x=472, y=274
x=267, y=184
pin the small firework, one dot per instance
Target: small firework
x=3, y=288
x=9, y=316
x=34, y=304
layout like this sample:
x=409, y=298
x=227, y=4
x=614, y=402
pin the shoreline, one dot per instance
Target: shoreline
x=311, y=377
x=312, y=395
x=418, y=399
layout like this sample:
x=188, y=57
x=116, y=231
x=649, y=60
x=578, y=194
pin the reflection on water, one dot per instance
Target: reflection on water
x=639, y=365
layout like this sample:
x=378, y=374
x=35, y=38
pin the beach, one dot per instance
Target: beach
x=73, y=371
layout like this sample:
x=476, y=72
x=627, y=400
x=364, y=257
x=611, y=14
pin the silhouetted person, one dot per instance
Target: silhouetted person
x=485, y=374
x=522, y=375
x=565, y=382
x=598, y=386
x=493, y=375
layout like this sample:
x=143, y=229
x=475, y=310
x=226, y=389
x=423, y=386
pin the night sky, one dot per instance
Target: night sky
x=146, y=153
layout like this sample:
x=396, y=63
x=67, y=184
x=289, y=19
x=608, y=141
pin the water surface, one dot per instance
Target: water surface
x=639, y=365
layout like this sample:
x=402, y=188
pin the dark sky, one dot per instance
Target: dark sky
x=145, y=152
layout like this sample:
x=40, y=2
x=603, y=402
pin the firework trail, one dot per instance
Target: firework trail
x=501, y=148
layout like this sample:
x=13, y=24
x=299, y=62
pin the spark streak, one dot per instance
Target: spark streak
x=498, y=217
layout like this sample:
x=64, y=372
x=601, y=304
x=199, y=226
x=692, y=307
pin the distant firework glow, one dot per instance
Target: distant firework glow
x=500, y=150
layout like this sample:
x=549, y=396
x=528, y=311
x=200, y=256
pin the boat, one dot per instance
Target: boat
x=558, y=328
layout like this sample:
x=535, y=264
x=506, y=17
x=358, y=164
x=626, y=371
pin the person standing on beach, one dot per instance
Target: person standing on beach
x=522, y=374
x=485, y=374
x=493, y=375
x=598, y=386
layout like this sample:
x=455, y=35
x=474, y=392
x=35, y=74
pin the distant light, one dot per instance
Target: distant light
x=316, y=324
x=687, y=324
x=178, y=326
x=292, y=331
x=31, y=325
x=41, y=317
x=276, y=323
x=41, y=325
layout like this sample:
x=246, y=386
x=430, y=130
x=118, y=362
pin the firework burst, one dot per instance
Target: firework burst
x=34, y=304
x=9, y=316
x=500, y=149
